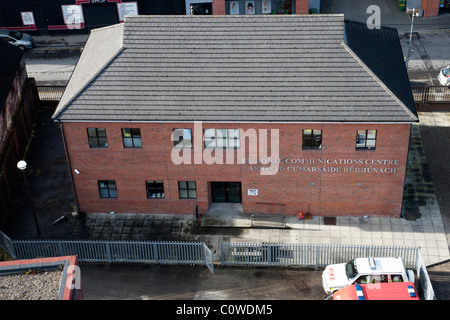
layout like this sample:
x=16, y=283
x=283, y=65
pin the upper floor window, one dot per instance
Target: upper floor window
x=97, y=137
x=366, y=139
x=107, y=188
x=312, y=139
x=182, y=138
x=132, y=138
x=222, y=138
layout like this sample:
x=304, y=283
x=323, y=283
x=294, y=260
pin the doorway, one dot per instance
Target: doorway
x=226, y=192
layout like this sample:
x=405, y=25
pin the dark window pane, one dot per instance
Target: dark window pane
x=183, y=194
x=97, y=137
x=132, y=138
x=155, y=189
x=182, y=138
x=366, y=139
x=312, y=139
x=107, y=188
x=187, y=190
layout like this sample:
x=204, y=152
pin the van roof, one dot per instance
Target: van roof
x=379, y=265
x=380, y=291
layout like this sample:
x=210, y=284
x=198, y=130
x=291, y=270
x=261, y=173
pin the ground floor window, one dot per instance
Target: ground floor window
x=107, y=188
x=155, y=189
x=187, y=189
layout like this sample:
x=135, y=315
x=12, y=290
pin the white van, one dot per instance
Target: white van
x=444, y=76
x=365, y=270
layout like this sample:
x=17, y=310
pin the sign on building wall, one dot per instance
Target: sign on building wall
x=127, y=8
x=234, y=7
x=73, y=16
x=266, y=7
x=27, y=18
x=249, y=7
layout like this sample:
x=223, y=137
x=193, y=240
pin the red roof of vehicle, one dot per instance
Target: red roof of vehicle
x=378, y=291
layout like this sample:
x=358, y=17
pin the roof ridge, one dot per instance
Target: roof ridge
x=378, y=80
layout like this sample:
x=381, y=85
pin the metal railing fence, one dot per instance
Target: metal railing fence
x=308, y=255
x=320, y=255
x=50, y=93
x=431, y=94
x=110, y=251
x=424, y=278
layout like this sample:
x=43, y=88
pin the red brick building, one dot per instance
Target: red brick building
x=278, y=114
x=18, y=106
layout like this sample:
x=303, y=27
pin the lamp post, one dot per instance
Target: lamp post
x=22, y=165
x=410, y=37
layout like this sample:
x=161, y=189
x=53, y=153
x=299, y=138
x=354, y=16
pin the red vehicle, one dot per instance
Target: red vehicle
x=378, y=291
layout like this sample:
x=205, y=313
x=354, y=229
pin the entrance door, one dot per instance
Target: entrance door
x=226, y=192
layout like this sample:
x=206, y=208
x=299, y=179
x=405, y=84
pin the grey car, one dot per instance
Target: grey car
x=19, y=39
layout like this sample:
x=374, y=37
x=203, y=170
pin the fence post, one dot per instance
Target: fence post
x=317, y=255
x=108, y=252
x=7, y=244
x=60, y=249
x=155, y=253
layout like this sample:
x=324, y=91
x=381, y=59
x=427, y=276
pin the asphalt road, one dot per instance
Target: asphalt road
x=150, y=282
x=51, y=67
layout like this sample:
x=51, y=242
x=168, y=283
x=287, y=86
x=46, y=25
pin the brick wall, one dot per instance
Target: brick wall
x=218, y=7
x=302, y=6
x=20, y=118
x=430, y=8
x=354, y=190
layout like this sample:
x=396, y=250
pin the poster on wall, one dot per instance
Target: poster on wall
x=266, y=7
x=73, y=16
x=249, y=7
x=234, y=7
x=127, y=9
x=27, y=18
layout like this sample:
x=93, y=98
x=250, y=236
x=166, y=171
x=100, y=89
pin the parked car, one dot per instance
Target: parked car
x=444, y=76
x=19, y=39
x=365, y=270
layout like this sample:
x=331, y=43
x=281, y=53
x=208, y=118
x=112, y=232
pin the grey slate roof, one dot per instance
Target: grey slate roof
x=284, y=68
